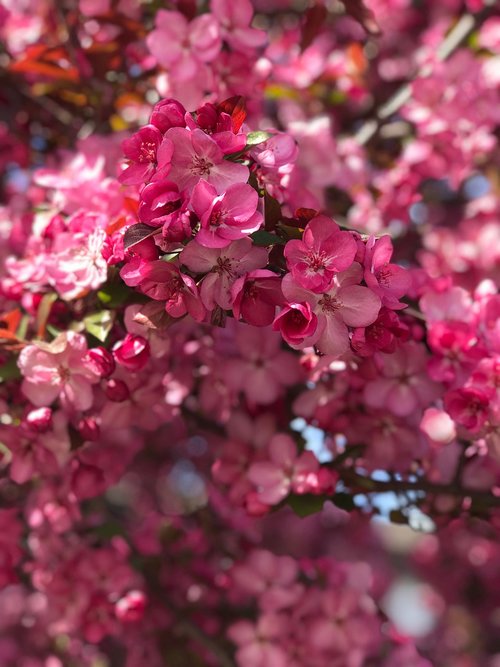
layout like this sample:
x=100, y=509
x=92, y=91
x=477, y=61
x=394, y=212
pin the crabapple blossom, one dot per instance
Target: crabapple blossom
x=323, y=251
x=197, y=156
x=182, y=45
x=58, y=370
x=209, y=389
x=346, y=303
x=227, y=217
x=223, y=266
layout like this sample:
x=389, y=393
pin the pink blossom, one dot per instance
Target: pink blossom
x=277, y=151
x=223, y=267
x=58, y=370
x=35, y=453
x=160, y=199
x=345, y=304
x=168, y=113
x=286, y=471
x=403, y=386
x=271, y=578
x=132, y=352
x=383, y=335
x=197, y=156
x=323, y=251
x=181, y=45
x=235, y=19
x=468, y=407
x=389, y=281
x=255, y=297
x=296, y=322
x=263, y=370
x=220, y=126
x=226, y=217
x=260, y=645
x=163, y=281
x=141, y=149
x=102, y=361
x=76, y=263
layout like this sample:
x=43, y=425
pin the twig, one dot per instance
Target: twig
x=463, y=28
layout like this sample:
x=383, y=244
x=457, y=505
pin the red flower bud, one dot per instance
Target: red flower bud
x=132, y=352
x=39, y=420
x=117, y=390
x=102, y=361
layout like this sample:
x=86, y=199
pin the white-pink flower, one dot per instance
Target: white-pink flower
x=76, y=264
x=183, y=46
x=58, y=370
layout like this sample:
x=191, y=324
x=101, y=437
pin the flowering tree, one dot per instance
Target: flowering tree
x=249, y=321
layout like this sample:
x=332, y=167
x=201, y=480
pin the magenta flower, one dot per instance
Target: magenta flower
x=163, y=281
x=183, y=46
x=402, y=386
x=34, y=453
x=323, y=251
x=159, y=200
x=197, y=156
x=345, y=304
x=61, y=370
x=132, y=352
x=286, y=471
x=389, y=281
x=223, y=267
x=226, y=217
x=468, y=407
x=262, y=370
x=256, y=296
x=142, y=149
x=235, y=19
x=168, y=113
x=296, y=322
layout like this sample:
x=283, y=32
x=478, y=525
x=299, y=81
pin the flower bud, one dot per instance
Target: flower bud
x=39, y=420
x=102, y=361
x=131, y=606
x=168, y=113
x=117, y=391
x=132, y=352
x=89, y=429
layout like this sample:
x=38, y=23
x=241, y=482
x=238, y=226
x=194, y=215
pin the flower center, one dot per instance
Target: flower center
x=329, y=304
x=200, y=166
x=223, y=266
x=148, y=152
x=316, y=261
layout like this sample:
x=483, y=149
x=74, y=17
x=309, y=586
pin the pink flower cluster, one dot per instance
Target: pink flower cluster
x=316, y=613
x=195, y=168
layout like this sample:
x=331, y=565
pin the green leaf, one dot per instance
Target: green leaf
x=255, y=138
x=99, y=324
x=9, y=370
x=263, y=238
x=345, y=501
x=113, y=295
x=307, y=504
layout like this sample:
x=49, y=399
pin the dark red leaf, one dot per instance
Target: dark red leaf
x=137, y=233
x=314, y=19
x=236, y=108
